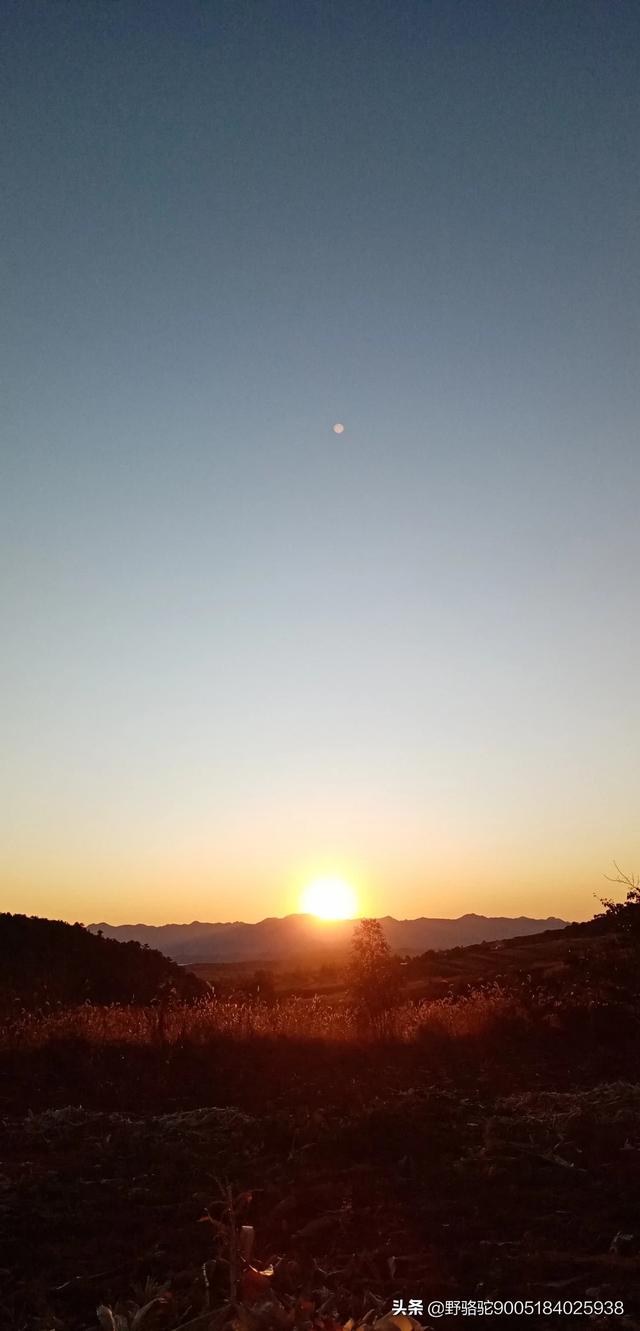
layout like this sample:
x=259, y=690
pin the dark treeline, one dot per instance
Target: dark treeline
x=50, y=962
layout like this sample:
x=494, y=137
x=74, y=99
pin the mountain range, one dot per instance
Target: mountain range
x=295, y=936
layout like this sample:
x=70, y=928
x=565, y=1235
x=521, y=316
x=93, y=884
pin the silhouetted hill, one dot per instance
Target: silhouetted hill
x=562, y=957
x=299, y=935
x=49, y=961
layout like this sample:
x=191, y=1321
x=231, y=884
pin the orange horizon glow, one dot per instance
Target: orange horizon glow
x=190, y=868
x=161, y=891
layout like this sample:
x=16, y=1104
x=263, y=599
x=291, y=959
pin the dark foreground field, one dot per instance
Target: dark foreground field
x=501, y=1161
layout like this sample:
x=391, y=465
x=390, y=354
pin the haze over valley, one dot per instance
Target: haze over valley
x=297, y=935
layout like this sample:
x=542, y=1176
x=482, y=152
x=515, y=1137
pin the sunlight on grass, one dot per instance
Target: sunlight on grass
x=296, y=1017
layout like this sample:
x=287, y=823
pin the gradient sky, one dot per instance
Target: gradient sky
x=240, y=650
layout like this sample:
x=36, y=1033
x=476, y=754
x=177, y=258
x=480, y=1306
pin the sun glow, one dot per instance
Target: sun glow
x=330, y=899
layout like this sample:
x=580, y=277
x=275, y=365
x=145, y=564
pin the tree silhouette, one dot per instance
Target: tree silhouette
x=623, y=915
x=374, y=976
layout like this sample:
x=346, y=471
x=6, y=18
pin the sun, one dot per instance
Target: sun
x=329, y=899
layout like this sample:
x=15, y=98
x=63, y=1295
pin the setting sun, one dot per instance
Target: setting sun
x=330, y=899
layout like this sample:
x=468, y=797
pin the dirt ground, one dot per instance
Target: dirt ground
x=383, y=1189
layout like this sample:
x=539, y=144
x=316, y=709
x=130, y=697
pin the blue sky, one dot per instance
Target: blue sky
x=239, y=649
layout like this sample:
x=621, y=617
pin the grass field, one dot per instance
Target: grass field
x=297, y=1017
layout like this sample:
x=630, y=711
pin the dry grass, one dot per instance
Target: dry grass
x=294, y=1017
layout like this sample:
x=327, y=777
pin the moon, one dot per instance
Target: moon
x=338, y=428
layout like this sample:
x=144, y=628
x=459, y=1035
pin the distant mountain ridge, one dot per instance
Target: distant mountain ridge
x=276, y=939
